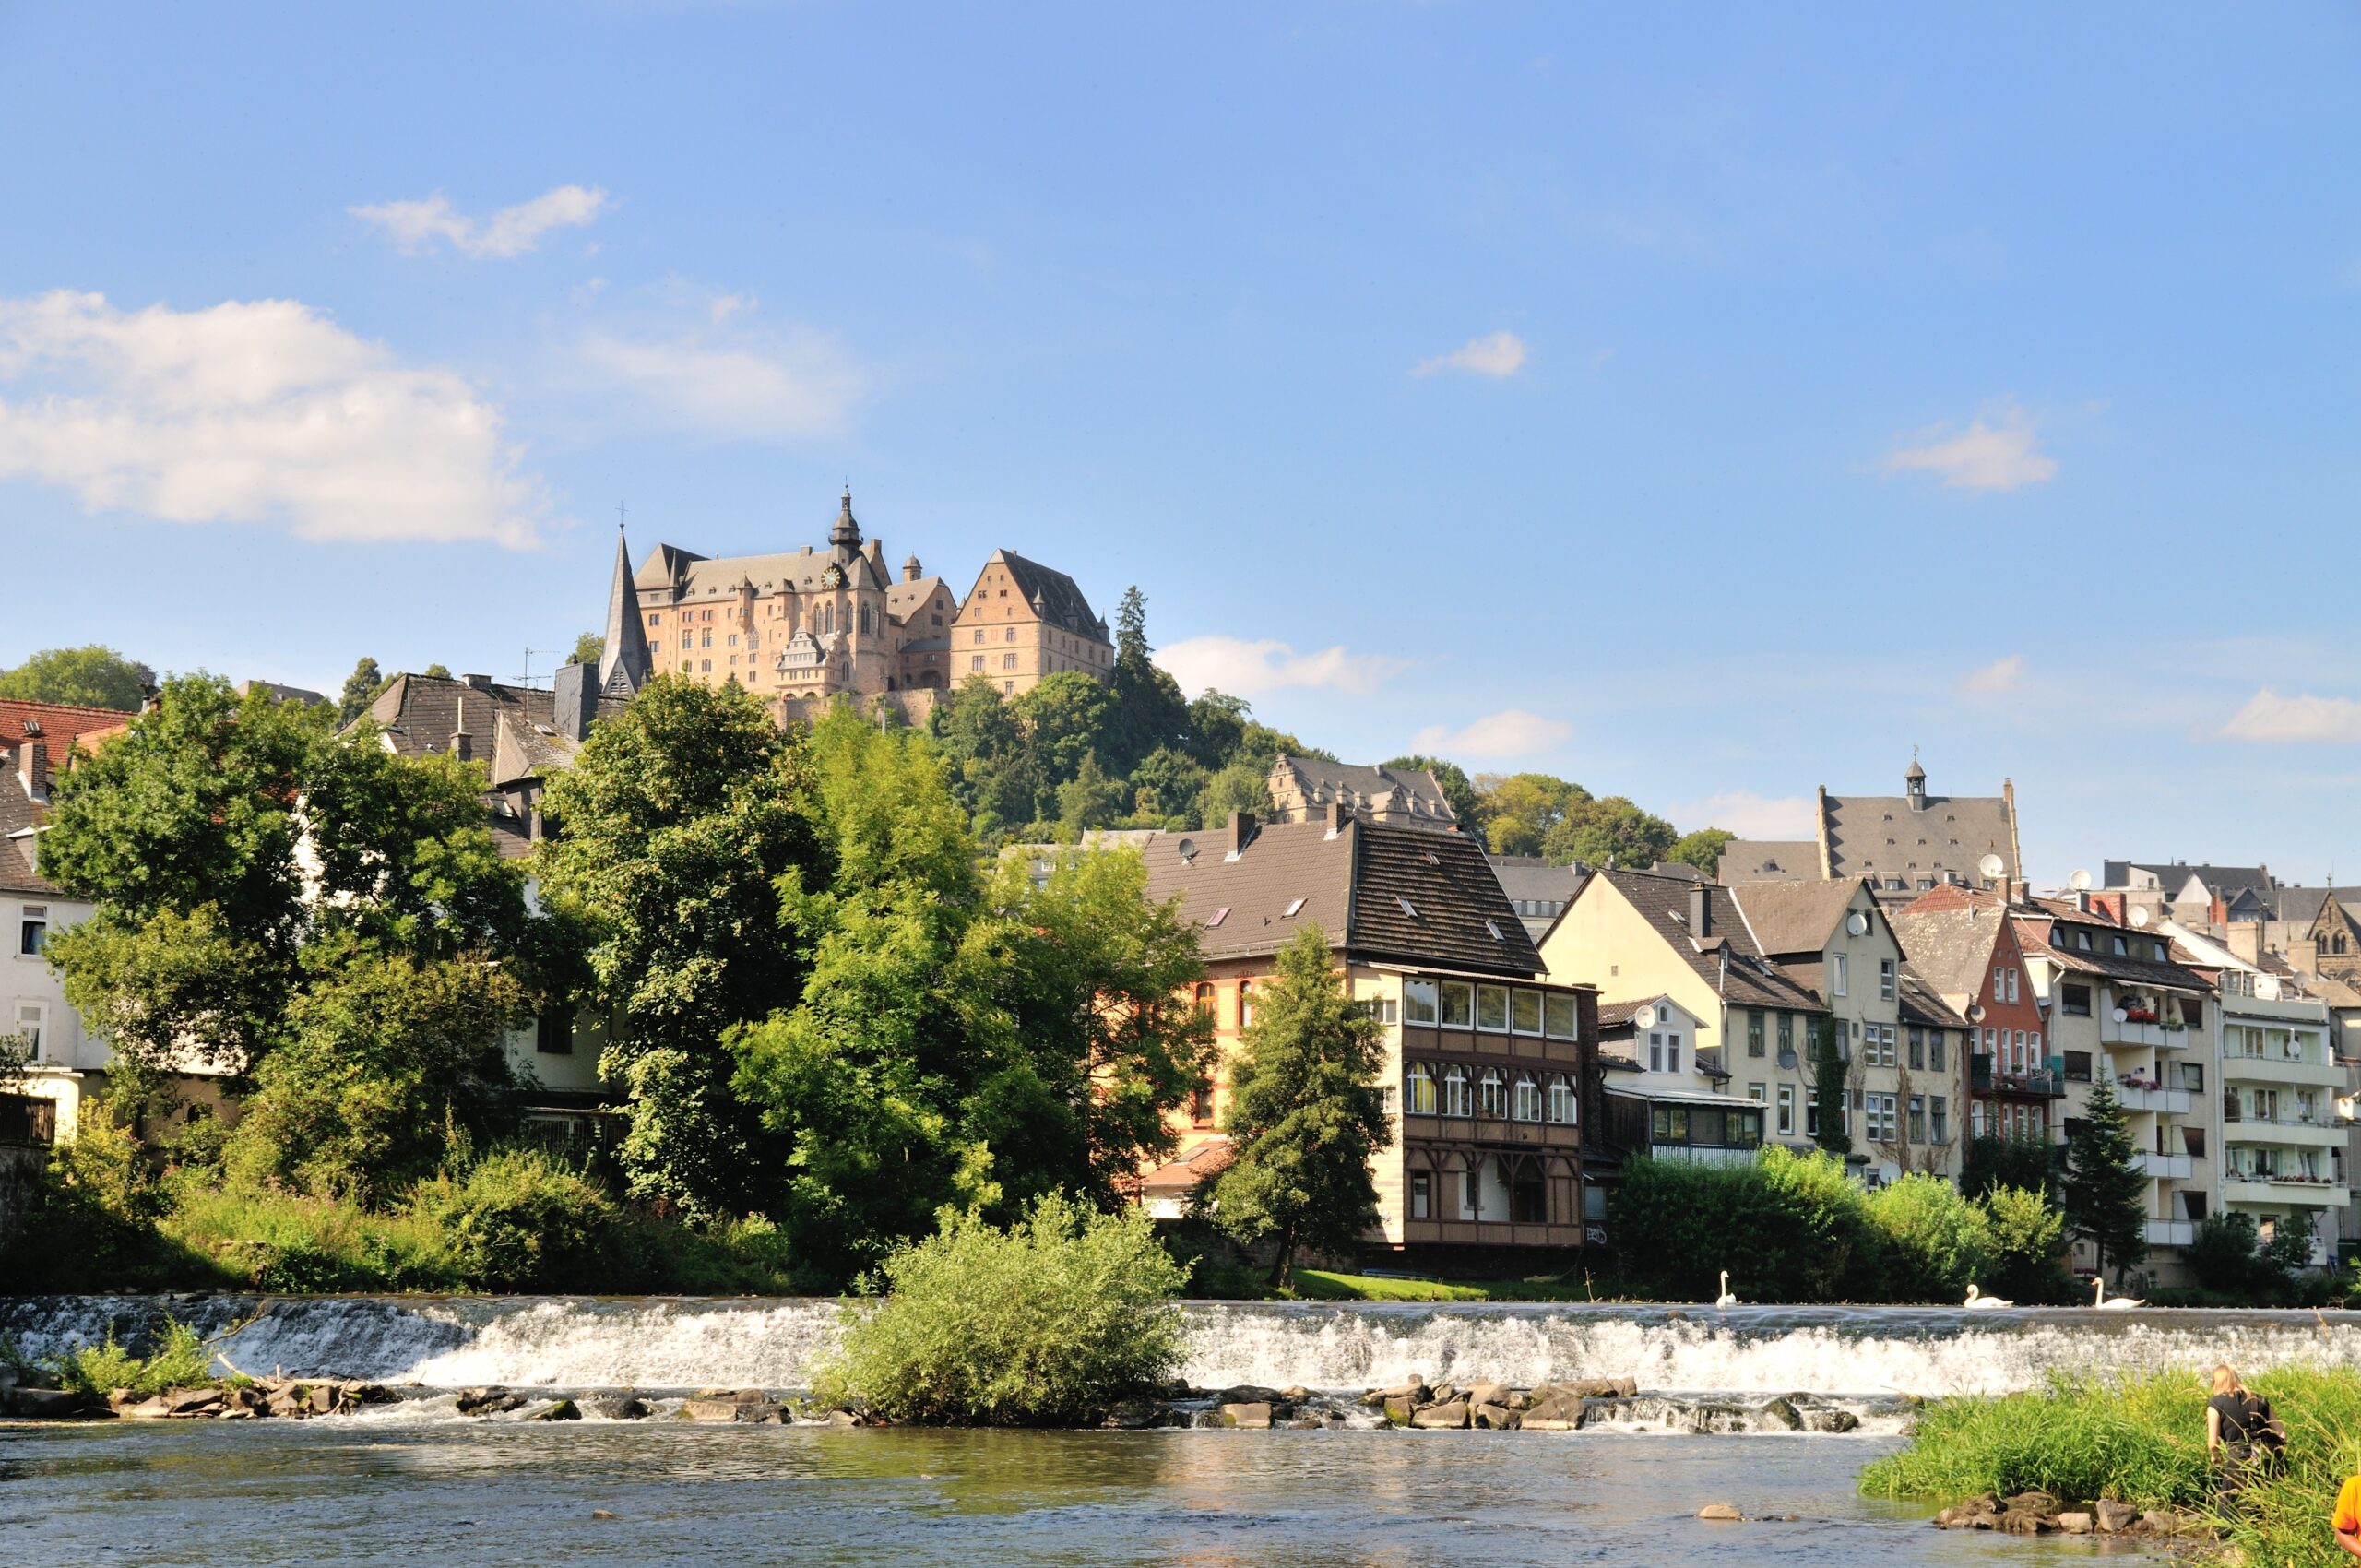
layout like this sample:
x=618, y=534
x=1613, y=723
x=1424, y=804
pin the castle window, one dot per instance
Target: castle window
x=980, y=633
x=708, y=668
x=1011, y=634
x=975, y=662
x=1008, y=662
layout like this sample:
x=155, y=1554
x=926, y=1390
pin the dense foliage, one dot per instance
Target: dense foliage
x=1795, y=1227
x=1049, y=1322
x=2011, y=1160
x=85, y=677
x=1306, y=1116
x=2140, y=1441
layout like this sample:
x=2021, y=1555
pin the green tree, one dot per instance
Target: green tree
x=384, y=1059
x=436, y=672
x=1216, y=729
x=1065, y=718
x=1457, y=788
x=1166, y=787
x=1701, y=849
x=1306, y=1117
x=1149, y=713
x=677, y=822
x=88, y=677
x=2106, y=1198
x=1609, y=832
x=2013, y=1161
x=1240, y=787
x=994, y=772
x=1090, y=800
x=1828, y=1073
x=589, y=648
x=1520, y=810
x=2026, y=1235
x=360, y=689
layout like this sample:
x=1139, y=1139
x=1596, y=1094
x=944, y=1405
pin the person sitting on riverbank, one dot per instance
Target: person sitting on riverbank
x=2242, y=1431
x=2345, y=1523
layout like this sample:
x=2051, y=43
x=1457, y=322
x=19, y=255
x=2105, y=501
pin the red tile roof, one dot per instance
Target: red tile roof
x=57, y=723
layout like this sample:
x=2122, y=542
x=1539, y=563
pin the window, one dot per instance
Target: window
x=2035, y=1039
x=1205, y=998
x=1558, y=1015
x=1011, y=635
x=1525, y=1102
x=705, y=667
x=980, y=633
x=2120, y=950
x=1008, y=662
x=1422, y=1194
x=1941, y=1124
x=1492, y=1007
x=1458, y=1004
x=553, y=1032
x=33, y=934
x=1455, y=1092
x=1811, y=1111
x=1917, y=1131
x=1672, y=1053
x=1295, y=908
x=1418, y=1000
x=2078, y=1066
x=1935, y=1051
x=1883, y=1123
x=1668, y=1124
x=1218, y=916
x=32, y=1026
x=1754, y=1031
x=1885, y=980
x=1918, y=1047
x=976, y=661
x=1200, y=1104
x=1492, y=1093
x=1245, y=1000
x=2013, y=985
x=1419, y=1089
x=1407, y=908
x=1564, y=1106
x=1786, y=1036
x=1655, y=1052
x=1524, y=1012
x=1786, y=1110
x=1838, y=973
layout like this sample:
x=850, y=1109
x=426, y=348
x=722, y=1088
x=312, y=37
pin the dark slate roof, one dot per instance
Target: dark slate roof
x=1052, y=594
x=1532, y=878
x=17, y=815
x=1354, y=880
x=2173, y=876
x=1411, y=792
x=1795, y=917
x=1921, y=1003
x=1952, y=947
x=2302, y=904
x=1769, y=859
x=1878, y=835
x=420, y=713
x=2046, y=920
x=1747, y=977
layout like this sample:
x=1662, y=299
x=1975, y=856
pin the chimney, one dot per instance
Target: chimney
x=32, y=769
x=574, y=697
x=481, y=682
x=1335, y=814
x=2246, y=940
x=1241, y=833
x=1701, y=913
x=462, y=743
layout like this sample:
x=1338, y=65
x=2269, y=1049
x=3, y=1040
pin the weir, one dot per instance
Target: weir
x=652, y=1343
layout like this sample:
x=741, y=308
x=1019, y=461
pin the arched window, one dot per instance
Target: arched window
x=827, y=619
x=1245, y=1004
x=1419, y=1089
x=1455, y=1092
x=1525, y=1101
x=1492, y=1093
x=1562, y=1101
x=866, y=625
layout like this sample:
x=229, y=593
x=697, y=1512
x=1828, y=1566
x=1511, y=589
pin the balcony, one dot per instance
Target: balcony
x=2118, y=1033
x=2163, y=1101
x=2288, y=1132
x=2044, y=1085
x=2277, y=1069
x=2171, y=1233
x=2299, y=1191
x=2163, y=1166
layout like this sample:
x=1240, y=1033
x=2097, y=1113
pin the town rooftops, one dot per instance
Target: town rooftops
x=1948, y=936
x=1794, y=917
x=2172, y=877
x=56, y=725
x=1053, y=595
x=19, y=822
x=1769, y=859
x=1724, y=954
x=1302, y=787
x=1896, y=841
x=1922, y=1003
x=2059, y=928
x=1378, y=892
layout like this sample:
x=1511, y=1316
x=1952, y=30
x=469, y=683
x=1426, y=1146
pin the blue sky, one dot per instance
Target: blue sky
x=1703, y=403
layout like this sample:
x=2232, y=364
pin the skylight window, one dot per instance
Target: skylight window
x=1293, y=909
x=1493, y=926
x=1407, y=908
x=1217, y=917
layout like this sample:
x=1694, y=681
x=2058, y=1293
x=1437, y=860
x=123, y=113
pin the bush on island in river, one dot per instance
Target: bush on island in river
x=1048, y=1323
x=2142, y=1441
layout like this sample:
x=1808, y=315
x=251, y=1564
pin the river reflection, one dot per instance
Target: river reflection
x=504, y=1492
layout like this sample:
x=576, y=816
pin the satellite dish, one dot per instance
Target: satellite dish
x=1975, y=1012
x=1188, y=848
x=2139, y=915
x=1646, y=1017
x=2122, y=1017
x=2080, y=880
x=1991, y=866
x=1857, y=923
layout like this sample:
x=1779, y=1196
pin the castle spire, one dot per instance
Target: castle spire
x=626, y=665
x=846, y=534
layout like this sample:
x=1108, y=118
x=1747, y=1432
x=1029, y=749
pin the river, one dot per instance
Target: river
x=414, y=1482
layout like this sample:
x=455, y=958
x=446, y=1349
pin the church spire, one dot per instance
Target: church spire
x=846, y=534
x=626, y=665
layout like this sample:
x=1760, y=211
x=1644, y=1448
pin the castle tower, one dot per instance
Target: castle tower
x=627, y=665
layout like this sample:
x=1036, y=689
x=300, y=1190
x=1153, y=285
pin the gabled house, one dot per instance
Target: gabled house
x=1963, y=946
x=1900, y=844
x=1301, y=788
x=1666, y=1097
x=1490, y=1064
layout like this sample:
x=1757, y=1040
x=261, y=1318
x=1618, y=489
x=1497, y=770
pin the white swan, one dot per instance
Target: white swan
x=1978, y=1301
x=1726, y=1299
x=2106, y=1303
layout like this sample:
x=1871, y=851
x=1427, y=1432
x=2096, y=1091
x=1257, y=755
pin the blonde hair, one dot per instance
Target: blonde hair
x=2224, y=1380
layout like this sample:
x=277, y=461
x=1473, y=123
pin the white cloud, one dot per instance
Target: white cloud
x=2000, y=675
x=511, y=232
x=1750, y=816
x=1510, y=733
x=252, y=410
x=1256, y=669
x=739, y=385
x=2000, y=455
x=1497, y=355
x=2270, y=716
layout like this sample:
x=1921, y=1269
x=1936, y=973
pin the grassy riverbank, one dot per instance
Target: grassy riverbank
x=1325, y=1284
x=2140, y=1441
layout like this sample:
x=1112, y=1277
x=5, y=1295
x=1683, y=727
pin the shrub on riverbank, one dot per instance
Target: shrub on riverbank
x=2140, y=1441
x=1048, y=1322
x=1797, y=1228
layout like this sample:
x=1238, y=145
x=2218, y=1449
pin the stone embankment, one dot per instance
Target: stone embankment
x=2042, y=1512
x=286, y=1398
x=1567, y=1405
